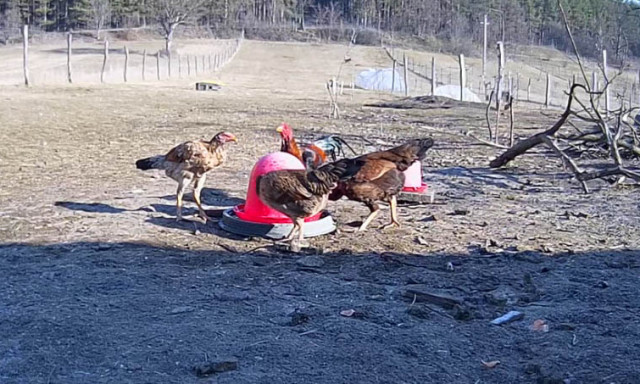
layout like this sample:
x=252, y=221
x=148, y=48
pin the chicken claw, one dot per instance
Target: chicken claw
x=391, y=224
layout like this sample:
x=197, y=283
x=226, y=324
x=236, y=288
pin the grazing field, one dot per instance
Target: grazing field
x=100, y=284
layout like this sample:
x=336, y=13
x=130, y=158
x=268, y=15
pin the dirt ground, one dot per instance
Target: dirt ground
x=99, y=283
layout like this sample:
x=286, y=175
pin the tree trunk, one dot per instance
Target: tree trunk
x=169, y=37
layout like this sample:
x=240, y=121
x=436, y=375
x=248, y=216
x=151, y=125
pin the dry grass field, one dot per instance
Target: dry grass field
x=100, y=284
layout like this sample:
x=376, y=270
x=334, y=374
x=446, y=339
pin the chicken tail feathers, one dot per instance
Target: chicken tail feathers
x=339, y=170
x=154, y=162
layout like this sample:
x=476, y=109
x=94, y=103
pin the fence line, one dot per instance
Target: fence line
x=126, y=59
x=546, y=89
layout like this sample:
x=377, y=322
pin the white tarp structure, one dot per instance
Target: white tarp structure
x=453, y=92
x=380, y=80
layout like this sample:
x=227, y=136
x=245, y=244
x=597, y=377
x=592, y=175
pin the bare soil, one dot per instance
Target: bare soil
x=99, y=284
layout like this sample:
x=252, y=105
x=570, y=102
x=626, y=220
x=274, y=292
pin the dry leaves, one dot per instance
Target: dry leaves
x=540, y=326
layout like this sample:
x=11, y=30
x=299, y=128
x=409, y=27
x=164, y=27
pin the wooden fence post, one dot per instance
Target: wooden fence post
x=188, y=66
x=69, y=53
x=126, y=62
x=169, y=63
x=406, y=78
x=433, y=76
x=25, y=54
x=500, y=79
x=594, y=81
x=144, y=63
x=158, y=65
x=195, y=61
x=529, y=90
x=547, y=93
x=463, y=77
x=517, y=86
x=606, y=82
x=104, y=61
x=393, y=76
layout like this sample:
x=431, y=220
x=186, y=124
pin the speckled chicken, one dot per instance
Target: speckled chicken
x=189, y=163
x=300, y=194
x=381, y=178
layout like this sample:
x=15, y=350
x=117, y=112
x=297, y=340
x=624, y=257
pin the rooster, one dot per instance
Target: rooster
x=189, y=163
x=315, y=154
x=299, y=194
x=381, y=178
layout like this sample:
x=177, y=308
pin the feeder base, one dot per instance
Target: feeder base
x=414, y=198
x=232, y=223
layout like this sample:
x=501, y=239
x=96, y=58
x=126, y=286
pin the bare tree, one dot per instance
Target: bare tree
x=171, y=13
x=100, y=12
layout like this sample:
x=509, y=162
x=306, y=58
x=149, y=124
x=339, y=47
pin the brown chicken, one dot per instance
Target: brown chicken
x=381, y=178
x=189, y=163
x=300, y=194
x=311, y=155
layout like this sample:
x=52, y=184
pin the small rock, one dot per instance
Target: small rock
x=182, y=309
x=508, y=318
x=420, y=240
x=602, y=284
x=460, y=212
x=310, y=261
x=210, y=368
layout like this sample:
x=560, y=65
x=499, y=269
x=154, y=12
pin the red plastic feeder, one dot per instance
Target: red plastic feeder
x=413, y=179
x=254, y=218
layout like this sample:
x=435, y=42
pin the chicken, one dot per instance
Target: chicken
x=300, y=194
x=381, y=178
x=315, y=154
x=311, y=155
x=189, y=163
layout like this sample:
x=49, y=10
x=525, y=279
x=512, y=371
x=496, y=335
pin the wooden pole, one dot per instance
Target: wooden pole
x=195, y=61
x=463, y=77
x=104, y=61
x=606, y=82
x=529, y=90
x=169, y=63
x=484, y=47
x=158, y=65
x=393, y=76
x=188, y=66
x=433, y=76
x=144, y=64
x=126, y=62
x=406, y=77
x=500, y=79
x=517, y=86
x=594, y=81
x=547, y=93
x=25, y=54
x=204, y=67
x=69, y=53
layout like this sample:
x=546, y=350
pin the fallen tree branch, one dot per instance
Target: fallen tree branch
x=523, y=146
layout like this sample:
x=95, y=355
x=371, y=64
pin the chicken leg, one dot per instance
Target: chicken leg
x=393, y=207
x=181, y=187
x=196, y=196
x=297, y=245
x=375, y=209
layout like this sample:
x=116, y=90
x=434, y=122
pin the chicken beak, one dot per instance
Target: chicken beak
x=279, y=129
